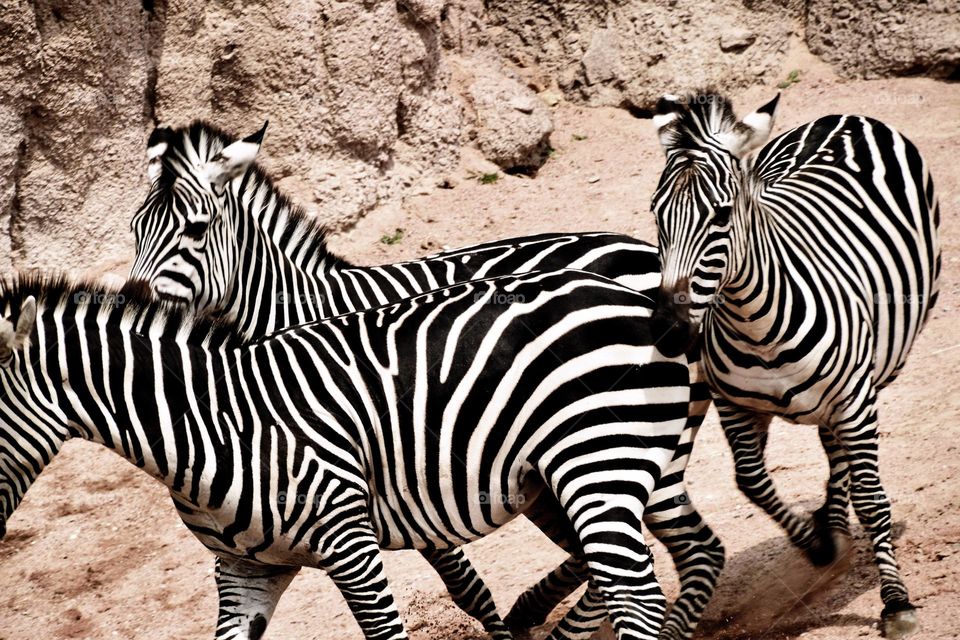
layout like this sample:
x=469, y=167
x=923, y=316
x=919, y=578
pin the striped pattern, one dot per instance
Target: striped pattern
x=423, y=424
x=252, y=256
x=812, y=271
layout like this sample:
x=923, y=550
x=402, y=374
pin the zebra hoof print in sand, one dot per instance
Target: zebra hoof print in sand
x=810, y=271
x=422, y=424
x=247, y=252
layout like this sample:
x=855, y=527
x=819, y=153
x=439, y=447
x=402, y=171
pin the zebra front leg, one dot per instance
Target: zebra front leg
x=249, y=592
x=872, y=506
x=356, y=567
x=467, y=589
x=746, y=433
x=832, y=520
x=697, y=553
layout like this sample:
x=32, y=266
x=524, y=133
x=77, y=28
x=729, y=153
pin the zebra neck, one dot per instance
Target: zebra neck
x=286, y=274
x=759, y=299
x=150, y=400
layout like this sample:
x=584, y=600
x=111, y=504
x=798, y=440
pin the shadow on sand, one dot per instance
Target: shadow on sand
x=771, y=592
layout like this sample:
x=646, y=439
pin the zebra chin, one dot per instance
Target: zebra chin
x=674, y=330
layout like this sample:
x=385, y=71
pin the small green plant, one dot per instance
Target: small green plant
x=578, y=137
x=551, y=152
x=488, y=178
x=392, y=238
x=792, y=78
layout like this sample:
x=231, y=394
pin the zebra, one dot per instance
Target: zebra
x=216, y=233
x=809, y=274
x=425, y=423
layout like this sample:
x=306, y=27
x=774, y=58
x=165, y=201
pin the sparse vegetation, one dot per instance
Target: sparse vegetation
x=578, y=137
x=488, y=178
x=392, y=238
x=792, y=78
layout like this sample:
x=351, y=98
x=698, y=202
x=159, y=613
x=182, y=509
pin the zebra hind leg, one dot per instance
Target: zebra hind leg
x=697, y=553
x=249, y=592
x=583, y=620
x=535, y=604
x=872, y=506
x=467, y=589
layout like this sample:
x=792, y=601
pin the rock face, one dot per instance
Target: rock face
x=886, y=37
x=630, y=53
x=369, y=98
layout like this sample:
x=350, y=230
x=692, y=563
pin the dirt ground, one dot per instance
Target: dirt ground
x=97, y=551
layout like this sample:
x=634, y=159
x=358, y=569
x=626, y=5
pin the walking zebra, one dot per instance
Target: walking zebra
x=423, y=424
x=810, y=273
x=216, y=233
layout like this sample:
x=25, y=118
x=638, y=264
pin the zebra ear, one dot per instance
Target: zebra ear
x=156, y=146
x=754, y=129
x=669, y=108
x=234, y=160
x=12, y=339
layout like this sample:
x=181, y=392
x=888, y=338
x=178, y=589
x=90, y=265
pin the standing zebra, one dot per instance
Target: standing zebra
x=216, y=233
x=810, y=273
x=423, y=424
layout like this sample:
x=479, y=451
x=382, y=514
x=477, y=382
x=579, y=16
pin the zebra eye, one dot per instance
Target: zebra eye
x=721, y=215
x=195, y=230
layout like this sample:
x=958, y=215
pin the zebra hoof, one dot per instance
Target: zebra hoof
x=899, y=621
x=828, y=545
x=521, y=619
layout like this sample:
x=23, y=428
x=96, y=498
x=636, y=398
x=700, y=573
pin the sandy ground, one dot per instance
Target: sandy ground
x=97, y=551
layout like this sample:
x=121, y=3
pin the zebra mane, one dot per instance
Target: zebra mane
x=203, y=141
x=699, y=119
x=130, y=305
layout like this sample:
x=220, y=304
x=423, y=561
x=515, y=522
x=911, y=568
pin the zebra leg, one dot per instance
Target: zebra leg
x=872, y=506
x=697, y=553
x=467, y=589
x=357, y=569
x=746, y=433
x=249, y=592
x=621, y=566
x=583, y=620
x=832, y=520
x=535, y=604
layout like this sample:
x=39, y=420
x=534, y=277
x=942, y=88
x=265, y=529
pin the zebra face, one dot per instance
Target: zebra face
x=696, y=201
x=693, y=205
x=185, y=230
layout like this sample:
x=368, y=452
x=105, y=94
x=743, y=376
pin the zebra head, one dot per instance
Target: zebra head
x=696, y=201
x=185, y=230
x=26, y=444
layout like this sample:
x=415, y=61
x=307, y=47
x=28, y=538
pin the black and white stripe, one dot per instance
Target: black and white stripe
x=242, y=249
x=423, y=424
x=812, y=271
